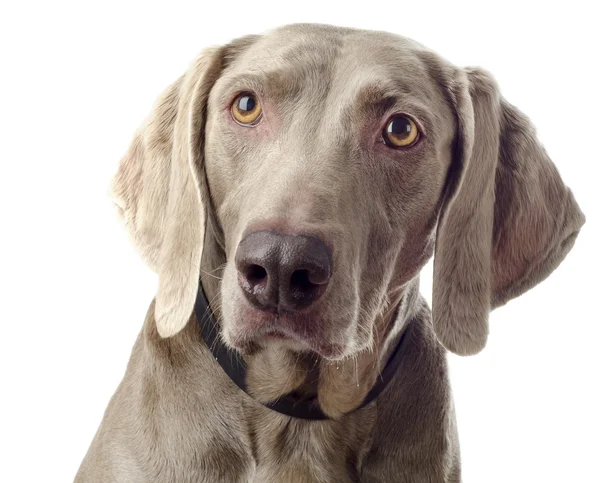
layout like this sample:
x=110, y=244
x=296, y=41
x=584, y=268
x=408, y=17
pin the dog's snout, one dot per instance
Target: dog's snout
x=282, y=272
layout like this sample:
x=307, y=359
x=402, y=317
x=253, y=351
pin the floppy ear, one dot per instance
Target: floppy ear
x=156, y=189
x=507, y=220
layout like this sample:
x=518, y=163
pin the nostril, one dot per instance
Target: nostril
x=255, y=274
x=306, y=280
x=305, y=286
x=300, y=281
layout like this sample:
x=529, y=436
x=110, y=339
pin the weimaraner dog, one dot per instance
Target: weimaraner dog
x=288, y=189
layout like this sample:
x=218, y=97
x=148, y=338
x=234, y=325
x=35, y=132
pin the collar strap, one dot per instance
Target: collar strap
x=235, y=366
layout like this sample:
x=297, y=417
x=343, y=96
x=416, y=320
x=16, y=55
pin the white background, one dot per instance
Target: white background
x=76, y=80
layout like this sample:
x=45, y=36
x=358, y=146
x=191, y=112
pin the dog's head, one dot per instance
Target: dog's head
x=322, y=167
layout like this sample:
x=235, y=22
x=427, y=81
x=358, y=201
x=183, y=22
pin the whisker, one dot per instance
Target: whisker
x=211, y=275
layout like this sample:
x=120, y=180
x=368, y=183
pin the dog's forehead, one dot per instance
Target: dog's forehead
x=330, y=57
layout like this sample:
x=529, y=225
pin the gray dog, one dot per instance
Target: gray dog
x=296, y=183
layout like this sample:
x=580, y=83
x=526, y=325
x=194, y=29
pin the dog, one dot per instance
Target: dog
x=288, y=189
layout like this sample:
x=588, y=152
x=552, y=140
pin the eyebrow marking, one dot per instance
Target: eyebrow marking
x=276, y=84
x=379, y=98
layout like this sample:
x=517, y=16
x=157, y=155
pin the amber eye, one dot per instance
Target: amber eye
x=400, y=132
x=246, y=109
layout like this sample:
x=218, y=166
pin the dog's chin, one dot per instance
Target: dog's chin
x=253, y=344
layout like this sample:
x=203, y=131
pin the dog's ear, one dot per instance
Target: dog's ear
x=156, y=190
x=507, y=220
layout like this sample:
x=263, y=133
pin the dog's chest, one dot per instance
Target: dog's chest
x=294, y=450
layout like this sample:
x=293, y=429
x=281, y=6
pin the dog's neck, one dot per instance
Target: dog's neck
x=339, y=386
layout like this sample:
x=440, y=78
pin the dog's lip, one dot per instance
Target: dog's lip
x=304, y=331
x=272, y=332
x=276, y=334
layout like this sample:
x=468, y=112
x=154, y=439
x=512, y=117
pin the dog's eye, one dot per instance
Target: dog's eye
x=400, y=132
x=246, y=109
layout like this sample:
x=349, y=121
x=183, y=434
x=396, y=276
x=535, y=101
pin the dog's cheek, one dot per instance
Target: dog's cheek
x=343, y=311
x=230, y=305
x=363, y=337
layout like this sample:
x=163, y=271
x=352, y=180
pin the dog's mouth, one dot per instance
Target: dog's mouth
x=283, y=330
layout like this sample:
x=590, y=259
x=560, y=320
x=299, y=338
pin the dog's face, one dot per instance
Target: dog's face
x=331, y=164
x=326, y=166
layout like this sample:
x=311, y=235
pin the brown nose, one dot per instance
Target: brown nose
x=287, y=272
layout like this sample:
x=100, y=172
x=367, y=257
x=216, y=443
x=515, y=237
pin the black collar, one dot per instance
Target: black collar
x=235, y=367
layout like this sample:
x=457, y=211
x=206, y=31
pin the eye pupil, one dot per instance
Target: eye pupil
x=246, y=103
x=399, y=127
